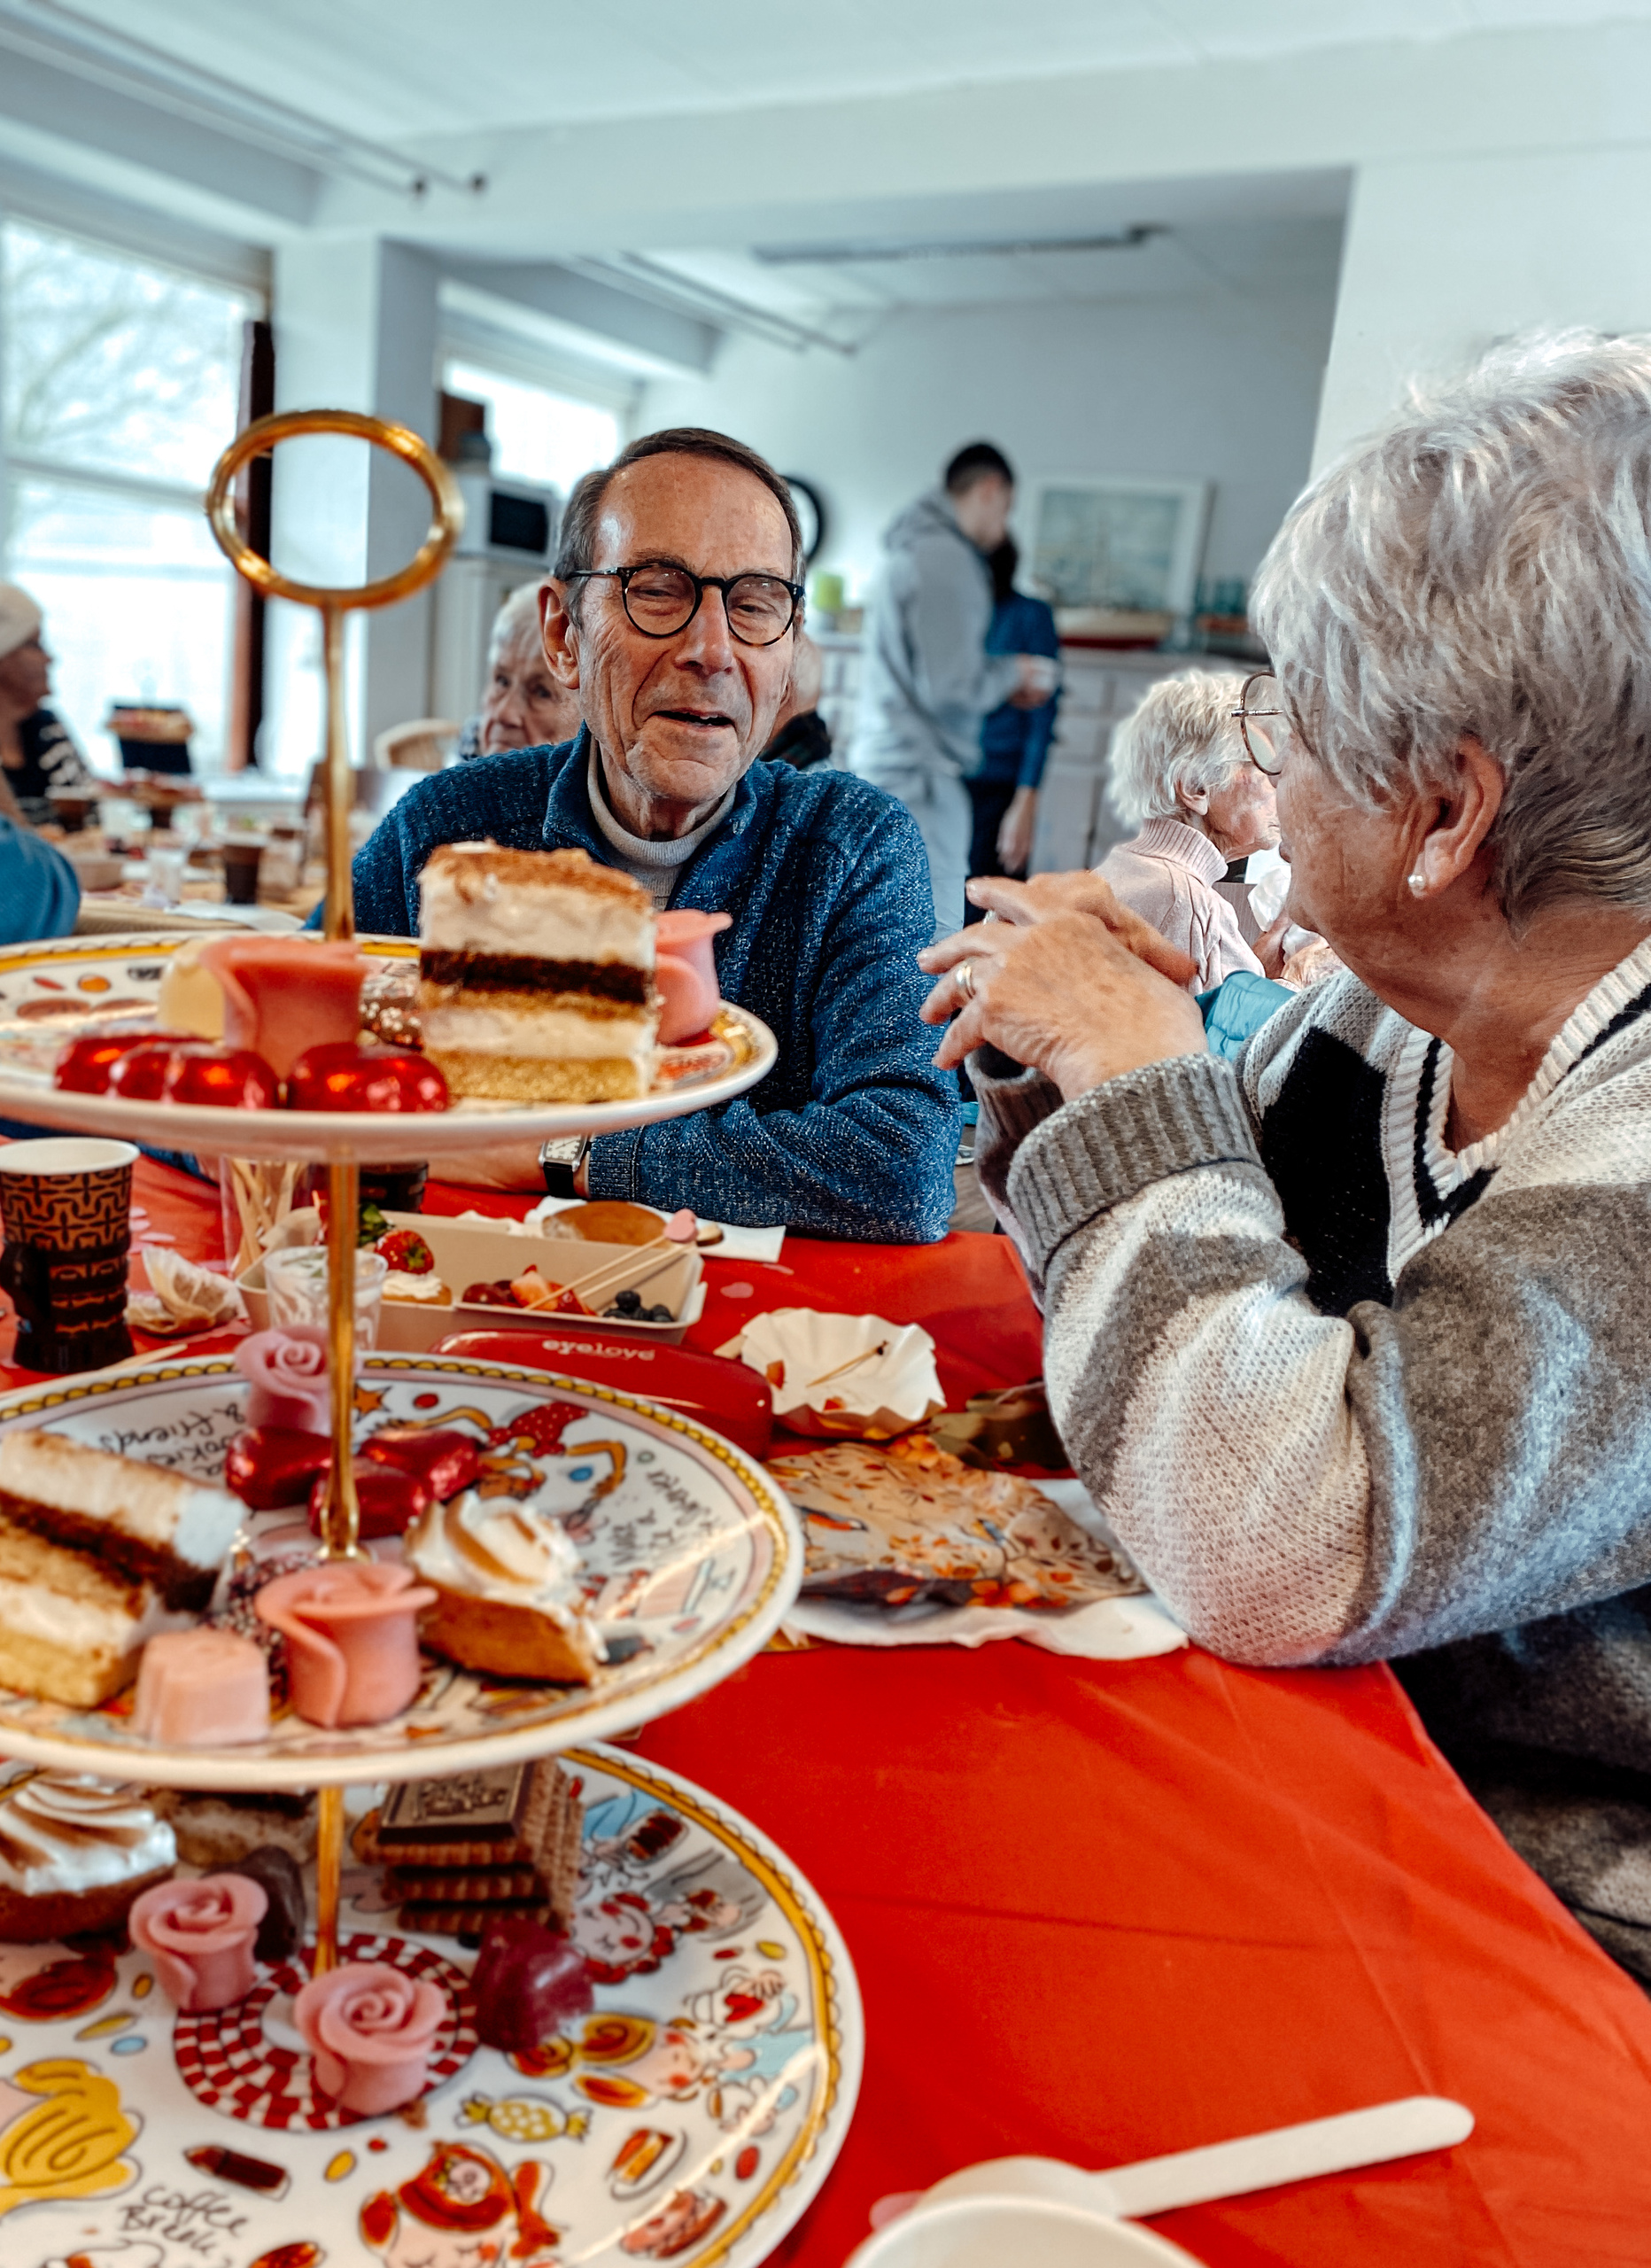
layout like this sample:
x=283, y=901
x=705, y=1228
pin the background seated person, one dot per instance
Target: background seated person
x=802, y=737
x=854, y=1131
x=1178, y=770
x=1350, y=1341
x=40, y=892
x=37, y=751
x=524, y=706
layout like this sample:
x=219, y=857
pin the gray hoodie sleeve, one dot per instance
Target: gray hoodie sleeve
x=948, y=612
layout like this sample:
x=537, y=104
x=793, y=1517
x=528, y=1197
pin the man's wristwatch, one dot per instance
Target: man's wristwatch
x=558, y=1161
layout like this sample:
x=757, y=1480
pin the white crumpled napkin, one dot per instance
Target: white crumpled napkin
x=828, y=1381
x=181, y=1297
x=1110, y=1630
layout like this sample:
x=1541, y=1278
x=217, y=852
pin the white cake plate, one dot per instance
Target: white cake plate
x=692, y=1559
x=53, y=993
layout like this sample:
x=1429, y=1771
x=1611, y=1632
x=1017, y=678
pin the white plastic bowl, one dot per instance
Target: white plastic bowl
x=1005, y=2232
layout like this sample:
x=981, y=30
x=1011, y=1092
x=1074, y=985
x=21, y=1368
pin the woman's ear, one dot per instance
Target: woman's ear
x=558, y=633
x=1193, y=799
x=1453, y=825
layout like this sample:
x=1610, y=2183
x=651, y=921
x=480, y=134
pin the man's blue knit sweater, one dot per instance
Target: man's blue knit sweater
x=854, y=1131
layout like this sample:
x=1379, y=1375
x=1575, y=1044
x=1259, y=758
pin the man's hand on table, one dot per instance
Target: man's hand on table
x=1064, y=978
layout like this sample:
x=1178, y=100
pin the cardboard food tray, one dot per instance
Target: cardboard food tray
x=466, y=1253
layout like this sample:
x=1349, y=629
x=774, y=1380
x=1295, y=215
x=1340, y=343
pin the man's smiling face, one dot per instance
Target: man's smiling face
x=677, y=720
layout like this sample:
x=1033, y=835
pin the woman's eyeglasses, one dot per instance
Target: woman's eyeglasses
x=662, y=599
x=1262, y=723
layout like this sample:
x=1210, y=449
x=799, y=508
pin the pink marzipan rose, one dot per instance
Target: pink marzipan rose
x=370, y=2029
x=286, y=1372
x=199, y=1935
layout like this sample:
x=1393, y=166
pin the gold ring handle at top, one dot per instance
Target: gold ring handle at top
x=341, y=1523
x=446, y=520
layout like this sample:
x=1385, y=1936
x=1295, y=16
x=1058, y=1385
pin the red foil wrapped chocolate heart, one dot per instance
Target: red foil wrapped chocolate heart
x=84, y=1066
x=342, y=1075
x=390, y=1499
x=192, y=1071
x=269, y=1466
x=445, y=1460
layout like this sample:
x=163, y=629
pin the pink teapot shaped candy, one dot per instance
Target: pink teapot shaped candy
x=686, y=973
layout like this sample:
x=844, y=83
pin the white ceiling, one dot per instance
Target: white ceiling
x=410, y=67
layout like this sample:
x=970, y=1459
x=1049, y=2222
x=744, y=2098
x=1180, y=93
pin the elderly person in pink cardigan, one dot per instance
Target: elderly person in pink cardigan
x=1179, y=771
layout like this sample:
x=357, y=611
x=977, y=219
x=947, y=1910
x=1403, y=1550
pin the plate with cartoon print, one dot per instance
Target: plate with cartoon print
x=691, y=1558
x=690, y=2117
x=53, y=993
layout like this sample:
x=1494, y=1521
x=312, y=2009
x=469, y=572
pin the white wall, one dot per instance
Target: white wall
x=1223, y=388
x=1442, y=256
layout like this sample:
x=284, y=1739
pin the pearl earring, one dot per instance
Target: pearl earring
x=1418, y=883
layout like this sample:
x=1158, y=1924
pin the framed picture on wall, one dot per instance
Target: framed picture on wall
x=1129, y=547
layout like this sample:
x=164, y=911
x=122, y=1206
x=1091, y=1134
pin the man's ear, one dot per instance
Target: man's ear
x=1452, y=826
x=559, y=634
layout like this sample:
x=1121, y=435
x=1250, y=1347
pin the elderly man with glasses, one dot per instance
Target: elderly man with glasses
x=673, y=611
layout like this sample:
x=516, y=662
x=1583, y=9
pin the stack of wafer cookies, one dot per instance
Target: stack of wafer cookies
x=459, y=1852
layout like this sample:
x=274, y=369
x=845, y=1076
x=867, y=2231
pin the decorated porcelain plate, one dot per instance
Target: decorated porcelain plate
x=691, y=2118
x=691, y=1558
x=50, y=993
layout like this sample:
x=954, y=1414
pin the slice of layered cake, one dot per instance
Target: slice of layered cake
x=98, y=1554
x=535, y=975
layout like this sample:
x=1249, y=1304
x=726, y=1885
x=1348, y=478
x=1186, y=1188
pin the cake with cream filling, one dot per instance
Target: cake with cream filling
x=97, y=1555
x=535, y=975
x=508, y=1596
x=75, y=1852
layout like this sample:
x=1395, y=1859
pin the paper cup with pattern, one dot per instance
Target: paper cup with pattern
x=66, y=1204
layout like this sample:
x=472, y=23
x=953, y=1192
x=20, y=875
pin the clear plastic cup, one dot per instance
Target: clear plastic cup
x=167, y=863
x=297, y=1276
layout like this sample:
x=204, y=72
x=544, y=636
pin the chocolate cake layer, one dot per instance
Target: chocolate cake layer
x=180, y=1589
x=604, y=979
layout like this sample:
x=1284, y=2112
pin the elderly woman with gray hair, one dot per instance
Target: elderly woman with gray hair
x=522, y=706
x=1350, y=1339
x=1178, y=769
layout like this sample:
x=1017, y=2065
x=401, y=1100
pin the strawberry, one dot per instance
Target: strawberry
x=407, y=1252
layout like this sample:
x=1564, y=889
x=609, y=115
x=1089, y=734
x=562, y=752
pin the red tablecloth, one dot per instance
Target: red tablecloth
x=1105, y=1910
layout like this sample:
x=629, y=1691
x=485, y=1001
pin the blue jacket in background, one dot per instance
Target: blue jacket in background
x=1014, y=742
x=854, y=1131
x=39, y=894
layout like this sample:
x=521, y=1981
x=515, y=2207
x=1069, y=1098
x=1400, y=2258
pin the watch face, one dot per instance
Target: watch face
x=564, y=1150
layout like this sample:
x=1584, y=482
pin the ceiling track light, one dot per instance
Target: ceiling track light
x=48, y=32
x=855, y=254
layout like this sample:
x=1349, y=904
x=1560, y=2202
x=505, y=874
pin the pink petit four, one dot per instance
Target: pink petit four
x=286, y=1376
x=350, y=1628
x=200, y=1935
x=201, y=1689
x=370, y=2029
x=283, y=994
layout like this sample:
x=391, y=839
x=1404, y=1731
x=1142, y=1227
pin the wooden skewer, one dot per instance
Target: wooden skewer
x=853, y=1364
x=610, y=1277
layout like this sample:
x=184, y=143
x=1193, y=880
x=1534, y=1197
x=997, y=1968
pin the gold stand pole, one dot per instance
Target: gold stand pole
x=341, y=1524
x=328, y=1867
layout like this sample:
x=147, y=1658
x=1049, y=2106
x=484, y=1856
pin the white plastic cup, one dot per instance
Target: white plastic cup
x=296, y=1278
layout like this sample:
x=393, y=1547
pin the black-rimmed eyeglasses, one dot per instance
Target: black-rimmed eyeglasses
x=662, y=599
x=1262, y=723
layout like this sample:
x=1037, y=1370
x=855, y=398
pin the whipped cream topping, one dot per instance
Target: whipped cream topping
x=401, y=1284
x=496, y=1548
x=67, y=1831
x=163, y=1509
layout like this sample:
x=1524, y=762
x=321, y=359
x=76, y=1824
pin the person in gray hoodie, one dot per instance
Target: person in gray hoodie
x=928, y=681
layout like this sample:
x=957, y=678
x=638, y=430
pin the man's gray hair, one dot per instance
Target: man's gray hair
x=1182, y=736
x=1484, y=567
x=517, y=622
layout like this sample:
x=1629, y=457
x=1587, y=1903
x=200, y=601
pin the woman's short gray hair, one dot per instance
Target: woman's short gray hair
x=1484, y=567
x=1182, y=736
x=517, y=622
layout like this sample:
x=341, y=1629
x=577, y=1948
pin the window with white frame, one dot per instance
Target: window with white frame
x=538, y=434
x=119, y=387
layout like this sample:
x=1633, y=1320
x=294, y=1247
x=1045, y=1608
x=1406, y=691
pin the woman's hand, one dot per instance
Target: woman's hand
x=1064, y=978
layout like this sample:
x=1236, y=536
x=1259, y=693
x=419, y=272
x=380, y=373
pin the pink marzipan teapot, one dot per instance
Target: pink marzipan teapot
x=686, y=973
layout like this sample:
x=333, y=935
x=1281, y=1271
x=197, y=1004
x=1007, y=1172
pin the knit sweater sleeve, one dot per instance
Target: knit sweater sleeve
x=1304, y=1487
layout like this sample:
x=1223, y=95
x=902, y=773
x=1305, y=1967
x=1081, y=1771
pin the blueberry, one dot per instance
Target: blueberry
x=609, y=1313
x=660, y=1315
x=629, y=1302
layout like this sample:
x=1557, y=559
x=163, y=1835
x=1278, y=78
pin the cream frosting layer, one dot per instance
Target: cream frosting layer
x=146, y=1502
x=399, y=1285
x=467, y=906
x=547, y=1034
x=67, y=1831
x=83, y=1626
x=498, y=1550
